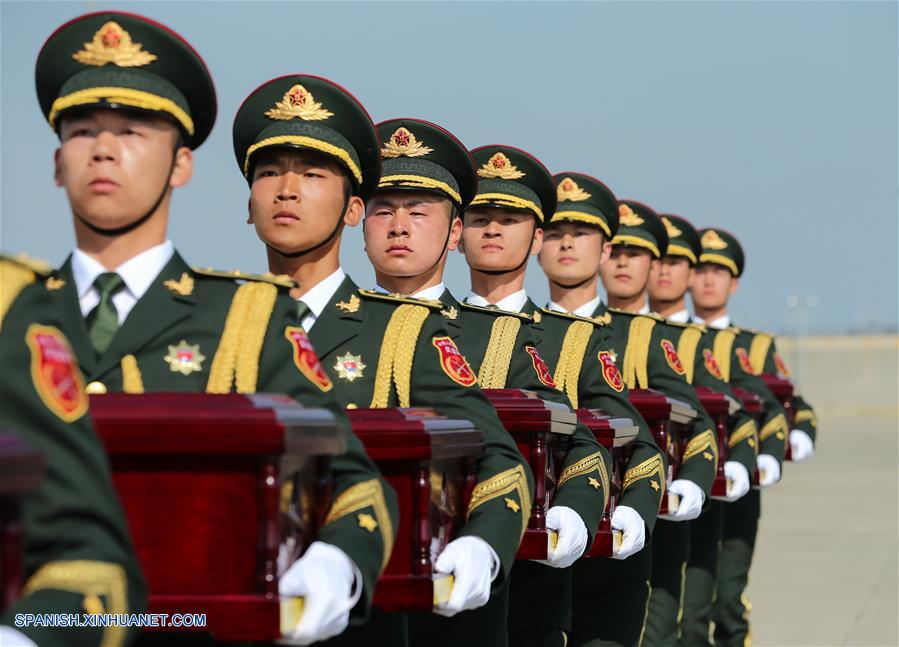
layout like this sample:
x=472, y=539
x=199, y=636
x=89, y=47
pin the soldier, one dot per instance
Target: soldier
x=412, y=222
x=78, y=556
x=130, y=101
x=715, y=280
x=503, y=227
x=310, y=154
x=668, y=285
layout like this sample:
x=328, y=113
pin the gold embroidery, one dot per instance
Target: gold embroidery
x=806, y=415
x=349, y=306
x=419, y=182
x=585, y=466
x=758, y=351
x=512, y=505
x=627, y=217
x=722, y=350
x=636, y=353
x=298, y=103
x=711, y=240
x=507, y=200
x=500, y=166
x=306, y=142
x=404, y=142
x=367, y=522
x=262, y=304
x=648, y=468
x=132, y=382
x=397, y=352
x=89, y=578
x=112, y=44
x=221, y=374
x=452, y=313
x=358, y=497
x=777, y=424
x=122, y=96
x=568, y=190
x=673, y=231
x=185, y=358
x=571, y=359
x=498, y=356
x=184, y=286
x=501, y=484
x=686, y=350
x=699, y=444
x=54, y=283
x=745, y=431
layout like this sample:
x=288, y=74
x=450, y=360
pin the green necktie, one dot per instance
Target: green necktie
x=103, y=321
x=303, y=311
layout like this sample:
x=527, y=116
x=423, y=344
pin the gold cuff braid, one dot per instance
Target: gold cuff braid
x=591, y=463
x=360, y=496
x=510, y=480
x=777, y=424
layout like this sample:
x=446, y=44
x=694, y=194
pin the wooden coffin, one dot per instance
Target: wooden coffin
x=783, y=391
x=22, y=468
x=201, y=479
x=616, y=435
x=430, y=461
x=668, y=419
x=542, y=430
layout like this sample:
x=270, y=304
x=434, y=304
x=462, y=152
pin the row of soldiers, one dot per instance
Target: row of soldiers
x=130, y=100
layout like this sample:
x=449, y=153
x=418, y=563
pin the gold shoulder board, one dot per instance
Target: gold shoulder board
x=398, y=299
x=281, y=280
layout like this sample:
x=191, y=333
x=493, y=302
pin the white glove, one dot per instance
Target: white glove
x=769, y=470
x=330, y=584
x=738, y=480
x=474, y=565
x=572, y=540
x=801, y=445
x=691, y=500
x=10, y=637
x=630, y=523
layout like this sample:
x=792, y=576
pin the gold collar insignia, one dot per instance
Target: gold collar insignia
x=54, y=283
x=452, y=313
x=183, y=286
x=349, y=306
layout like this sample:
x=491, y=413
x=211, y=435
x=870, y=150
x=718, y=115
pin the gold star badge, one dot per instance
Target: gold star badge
x=627, y=217
x=349, y=306
x=654, y=485
x=185, y=358
x=707, y=455
x=349, y=367
x=593, y=483
x=298, y=103
x=500, y=166
x=54, y=283
x=512, y=504
x=404, y=142
x=112, y=44
x=183, y=286
x=367, y=521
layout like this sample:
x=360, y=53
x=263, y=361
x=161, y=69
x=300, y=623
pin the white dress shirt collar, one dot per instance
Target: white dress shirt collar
x=585, y=310
x=681, y=316
x=512, y=303
x=433, y=293
x=319, y=297
x=719, y=323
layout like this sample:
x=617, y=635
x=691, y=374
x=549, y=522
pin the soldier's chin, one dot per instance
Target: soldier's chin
x=107, y=221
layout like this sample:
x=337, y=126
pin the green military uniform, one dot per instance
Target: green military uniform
x=193, y=330
x=609, y=596
x=78, y=556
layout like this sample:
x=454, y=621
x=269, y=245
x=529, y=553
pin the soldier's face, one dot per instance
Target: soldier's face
x=670, y=279
x=572, y=252
x=115, y=164
x=407, y=233
x=498, y=239
x=712, y=285
x=626, y=272
x=297, y=199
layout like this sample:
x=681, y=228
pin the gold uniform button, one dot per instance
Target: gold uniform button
x=352, y=405
x=95, y=388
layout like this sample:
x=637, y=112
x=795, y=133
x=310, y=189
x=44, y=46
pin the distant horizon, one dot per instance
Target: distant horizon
x=777, y=121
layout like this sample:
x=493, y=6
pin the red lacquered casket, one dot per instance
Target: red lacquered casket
x=668, y=419
x=200, y=478
x=542, y=430
x=720, y=408
x=616, y=435
x=22, y=468
x=783, y=391
x=430, y=461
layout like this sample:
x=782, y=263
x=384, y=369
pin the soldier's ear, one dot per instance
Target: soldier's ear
x=249, y=211
x=355, y=209
x=537, y=243
x=183, y=168
x=606, y=251
x=734, y=284
x=455, y=237
x=57, y=171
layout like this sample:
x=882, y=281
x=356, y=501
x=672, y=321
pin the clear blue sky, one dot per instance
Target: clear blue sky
x=777, y=121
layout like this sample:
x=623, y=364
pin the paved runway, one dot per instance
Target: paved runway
x=825, y=570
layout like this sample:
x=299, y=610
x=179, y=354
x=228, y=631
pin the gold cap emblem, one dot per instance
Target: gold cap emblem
x=673, y=231
x=403, y=142
x=569, y=190
x=627, y=217
x=298, y=103
x=112, y=44
x=500, y=166
x=711, y=240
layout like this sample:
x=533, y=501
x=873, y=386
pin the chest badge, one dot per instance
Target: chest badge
x=349, y=367
x=185, y=358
